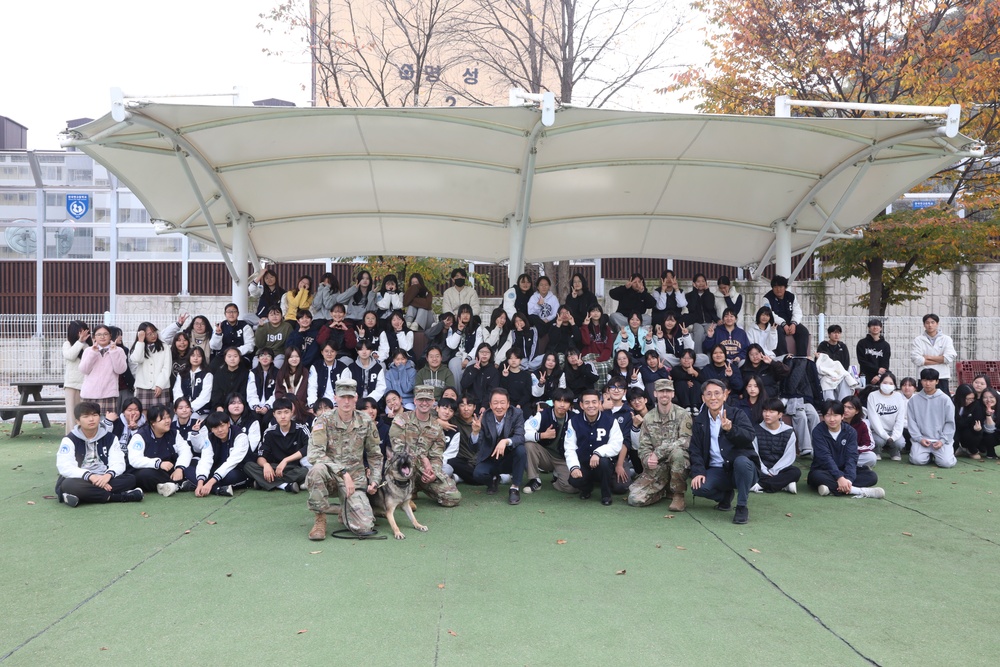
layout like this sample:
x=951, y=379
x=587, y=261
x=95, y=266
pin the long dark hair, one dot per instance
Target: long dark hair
x=277, y=285
x=497, y=312
x=757, y=407
x=361, y=295
x=389, y=278
x=203, y=366
x=157, y=346
x=73, y=335
x=309, y=290
x=584, y=288
x=286, y=370
x=176, y=354
x=334, y=283
x=208, y=325
x=423, y=292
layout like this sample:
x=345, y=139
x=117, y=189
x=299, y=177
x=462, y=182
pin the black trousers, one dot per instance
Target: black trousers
x=801, y=337
x=463, y=469
x=601, y=475
x=514, y=461
x=147, y=478
x=88, y=493
x=865, y=477
x=775, y=483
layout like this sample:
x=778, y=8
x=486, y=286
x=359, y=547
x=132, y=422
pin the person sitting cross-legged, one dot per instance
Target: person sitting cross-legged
x=284, y=444
x=834, y=467
x=722, y=453
x=544, y=436
x=91, y=463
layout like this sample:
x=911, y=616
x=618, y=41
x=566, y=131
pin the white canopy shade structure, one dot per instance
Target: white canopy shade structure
x=496, y=183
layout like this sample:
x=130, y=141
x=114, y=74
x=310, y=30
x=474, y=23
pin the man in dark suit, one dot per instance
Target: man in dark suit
x=499, y=434
x=723, y=457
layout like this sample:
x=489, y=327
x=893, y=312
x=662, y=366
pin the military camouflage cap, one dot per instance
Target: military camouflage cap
x=347, y=388
x=423, y=391
x=663, y=385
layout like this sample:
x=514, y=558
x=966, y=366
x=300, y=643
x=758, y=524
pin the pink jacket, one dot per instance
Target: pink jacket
x=100, y=373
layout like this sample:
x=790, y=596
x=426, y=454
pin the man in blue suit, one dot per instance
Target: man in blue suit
x=500, y=436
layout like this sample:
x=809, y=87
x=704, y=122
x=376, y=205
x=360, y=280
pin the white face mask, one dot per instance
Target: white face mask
x=887, y=388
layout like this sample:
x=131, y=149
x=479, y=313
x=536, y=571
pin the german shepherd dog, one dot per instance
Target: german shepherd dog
x=397, y=489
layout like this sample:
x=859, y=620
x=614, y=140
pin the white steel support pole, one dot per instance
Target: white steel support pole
x=39, y=260
x=782, y=248
x=241, y=256
x=598, y=277
x=515, y=263
x=113, y=208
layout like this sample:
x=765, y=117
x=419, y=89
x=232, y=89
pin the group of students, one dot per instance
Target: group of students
x=236, y=373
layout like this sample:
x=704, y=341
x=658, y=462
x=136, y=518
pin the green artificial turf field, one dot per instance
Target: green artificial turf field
x=810, y=581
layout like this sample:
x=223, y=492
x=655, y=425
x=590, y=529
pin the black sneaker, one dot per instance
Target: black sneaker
x=292, y=488
x=584, y=495
x=133, y=496
x=742, y=514
x=70, y=500
x=493, y=486
x=223, y=490
x=605, y=501
x=514, y=497
x=533, y=486
x=186, y=485
x=726, y=503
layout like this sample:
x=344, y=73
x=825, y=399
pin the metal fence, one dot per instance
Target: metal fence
x=24, y=355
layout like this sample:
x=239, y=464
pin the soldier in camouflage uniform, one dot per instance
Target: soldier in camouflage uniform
x=663, y=449
x=339, y=439
x=423, y=435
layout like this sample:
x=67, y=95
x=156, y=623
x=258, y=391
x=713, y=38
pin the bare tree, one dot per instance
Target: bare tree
x=371, y=53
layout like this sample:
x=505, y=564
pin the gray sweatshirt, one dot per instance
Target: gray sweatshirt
x=931, y=417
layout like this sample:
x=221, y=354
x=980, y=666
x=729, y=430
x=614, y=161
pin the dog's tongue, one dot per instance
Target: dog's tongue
x=405, y=470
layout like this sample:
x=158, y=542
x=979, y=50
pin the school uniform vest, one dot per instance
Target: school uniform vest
x=101, y=446
x=671, y=303
x=323, y=376
x=624, y=418
x=548, y=419
x=781, y=307
x=467, y=342
x=590, y=436
x=771, y=446
x=185, y=429
x=524, y=341
x=367, y=378
x=222, y=448
x=159, y=448
x=232, y=334
x=191, y=386
x=265, y=383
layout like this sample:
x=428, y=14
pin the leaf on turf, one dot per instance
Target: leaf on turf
x=904, y=482
x=229, y=574
x=211, y=523
x=144, y=515
x=908, y=534
x=31, y=502
x=788, y=514
x=620, y=572
x=440, y=585
x=49, y=497
x=452, y=633
x=315, y=552
x=682, y=548
x=302, y=631
x=541, y=511
x=756, y=551
x=187, y=532
x=668, y=516
x=658, y=546
x=104, y=648
x=560, y=541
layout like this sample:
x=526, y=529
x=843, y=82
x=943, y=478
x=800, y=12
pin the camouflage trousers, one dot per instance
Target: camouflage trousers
x=441, y=489
x=321, y=481
x=669, y=477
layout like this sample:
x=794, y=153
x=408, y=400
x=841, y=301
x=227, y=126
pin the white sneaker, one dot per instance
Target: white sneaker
x=167, y=489
x=791, y=488
x=896, y=457
x=756, y=489
x=872, y=492
x=823, y=490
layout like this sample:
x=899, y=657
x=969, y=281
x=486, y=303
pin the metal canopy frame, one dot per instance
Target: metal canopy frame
x=203, y=219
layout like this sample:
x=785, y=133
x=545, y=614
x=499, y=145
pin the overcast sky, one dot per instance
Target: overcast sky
x=62, y=57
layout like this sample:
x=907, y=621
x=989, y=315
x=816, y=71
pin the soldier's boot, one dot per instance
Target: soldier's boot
x=678, y=504
x=318, y=531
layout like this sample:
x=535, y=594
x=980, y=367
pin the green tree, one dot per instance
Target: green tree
x=434, y=270
x=899, y=251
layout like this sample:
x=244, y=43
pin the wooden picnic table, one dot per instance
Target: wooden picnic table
x=31, y=402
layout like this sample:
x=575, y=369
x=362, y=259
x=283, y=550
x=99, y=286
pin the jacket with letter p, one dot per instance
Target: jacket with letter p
x=585, y=438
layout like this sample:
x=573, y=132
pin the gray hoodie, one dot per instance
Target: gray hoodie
x=931, y=417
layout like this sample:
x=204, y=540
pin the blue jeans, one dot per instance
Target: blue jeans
x=719, y=482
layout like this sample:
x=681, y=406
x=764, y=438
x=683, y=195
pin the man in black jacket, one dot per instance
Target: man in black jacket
x=499, y=434
x=722, y=453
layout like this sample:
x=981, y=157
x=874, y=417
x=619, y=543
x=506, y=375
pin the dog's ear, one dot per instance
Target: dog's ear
x=388, y=454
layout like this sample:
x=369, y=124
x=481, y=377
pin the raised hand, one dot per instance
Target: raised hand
x=726, y=423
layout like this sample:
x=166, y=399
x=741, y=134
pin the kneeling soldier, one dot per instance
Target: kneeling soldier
x=663, y=447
